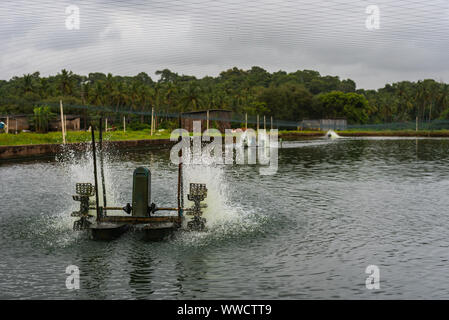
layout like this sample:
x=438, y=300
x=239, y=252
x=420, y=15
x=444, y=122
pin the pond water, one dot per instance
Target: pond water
x=333, y=208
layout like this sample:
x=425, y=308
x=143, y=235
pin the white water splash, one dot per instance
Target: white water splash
x=80, y=169
x=331, y=134
x=224, y=218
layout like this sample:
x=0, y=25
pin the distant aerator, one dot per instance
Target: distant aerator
x=331, y=134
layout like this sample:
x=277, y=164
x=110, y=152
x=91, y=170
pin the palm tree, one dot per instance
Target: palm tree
x=27, y=83
x=66, y=84
x=44, y=89
x=42, y=116
x=109, y=88
x=443, y=97
x=157, y=95
x=191, y=99
x=97, y=94
x=146, y=97
x=118, y=95
x=134, y=94
x=170, y=93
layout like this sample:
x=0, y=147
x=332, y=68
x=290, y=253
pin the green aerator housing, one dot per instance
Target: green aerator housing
x=141, y=192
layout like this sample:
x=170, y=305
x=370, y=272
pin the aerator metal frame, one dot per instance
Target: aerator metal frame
x=106, y=226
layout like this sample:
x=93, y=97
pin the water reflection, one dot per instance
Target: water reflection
x=140, y=273
x=95, y=263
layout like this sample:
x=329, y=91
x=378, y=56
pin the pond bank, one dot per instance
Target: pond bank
x=396, y=133
x=17, y=152
x=43, y=150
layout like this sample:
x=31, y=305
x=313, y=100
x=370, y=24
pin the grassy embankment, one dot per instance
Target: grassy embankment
x=394, y=133
x=27, y=138
x=292, y=135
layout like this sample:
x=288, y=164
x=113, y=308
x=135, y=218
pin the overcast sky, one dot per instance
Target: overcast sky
x=204, y=37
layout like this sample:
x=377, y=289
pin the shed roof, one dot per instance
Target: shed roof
x=205, y=111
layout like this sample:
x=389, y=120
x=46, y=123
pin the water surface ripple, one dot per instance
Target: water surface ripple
x=333, y=208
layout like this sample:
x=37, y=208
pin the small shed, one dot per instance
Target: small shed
x=18, y=122
x=73, y=122
x=218, y=118
x=324, y=124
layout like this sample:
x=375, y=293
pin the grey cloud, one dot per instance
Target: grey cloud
x=203, y=37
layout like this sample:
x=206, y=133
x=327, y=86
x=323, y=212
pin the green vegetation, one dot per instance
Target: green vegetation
x=82, y=136
x=42, y=116
x=285, y=96
x=24, y=138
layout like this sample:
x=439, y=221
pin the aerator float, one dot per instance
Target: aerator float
x=143, y=215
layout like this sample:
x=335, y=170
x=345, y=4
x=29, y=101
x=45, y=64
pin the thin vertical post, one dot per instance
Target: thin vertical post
x=94, y=158
x=271, y=123
x=264, y=123
x=62, y=122
x=124, y=124
x=416, y=123
x=16, y=125
x=7, y=124
x=257, y=131
x=106, y=125
x=207, y=120
x=246, y=121
x=103, y=185
x=180, y=187
x=152, y=121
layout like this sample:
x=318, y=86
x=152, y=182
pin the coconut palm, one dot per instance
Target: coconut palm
x=97, y=94
x=191, y=100
x=27, y=83
x=66, y=82
x=170, y=94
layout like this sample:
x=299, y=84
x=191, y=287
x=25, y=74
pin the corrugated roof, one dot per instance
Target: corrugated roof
x=205, y=111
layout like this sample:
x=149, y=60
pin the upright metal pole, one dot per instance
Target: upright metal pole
x=180, y=191
x=94, y=157
x=152, y=121
x=257, y=131
x=103, y=185
x=124, y=124
x=62, y=122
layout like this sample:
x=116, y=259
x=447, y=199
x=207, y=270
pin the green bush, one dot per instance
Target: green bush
x=137, y=126
x=42, y=117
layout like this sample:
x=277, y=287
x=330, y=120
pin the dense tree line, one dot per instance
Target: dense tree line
x=285, y=96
